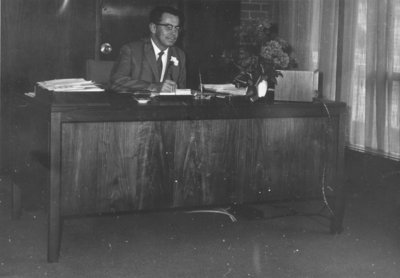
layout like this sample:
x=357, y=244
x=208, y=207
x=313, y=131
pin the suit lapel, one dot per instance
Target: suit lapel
x=171, y=68
x=151, y=58
x=172, y=71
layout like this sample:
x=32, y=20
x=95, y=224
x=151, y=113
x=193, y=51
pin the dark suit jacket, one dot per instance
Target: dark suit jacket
x=136, y=68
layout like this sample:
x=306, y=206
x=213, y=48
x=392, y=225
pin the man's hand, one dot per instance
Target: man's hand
x=168, y=86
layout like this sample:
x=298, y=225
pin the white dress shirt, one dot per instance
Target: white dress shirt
x=163, y=58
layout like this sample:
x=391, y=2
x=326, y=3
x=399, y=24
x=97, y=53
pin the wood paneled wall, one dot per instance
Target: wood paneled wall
x=41, y=42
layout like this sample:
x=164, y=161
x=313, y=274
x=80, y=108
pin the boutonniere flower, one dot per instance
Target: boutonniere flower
x=174, y=61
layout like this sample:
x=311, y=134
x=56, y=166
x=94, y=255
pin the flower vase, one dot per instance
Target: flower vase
x=266, y=91
x=262, y=88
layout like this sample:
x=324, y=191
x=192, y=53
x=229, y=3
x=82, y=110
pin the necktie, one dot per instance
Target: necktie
x=159, y=63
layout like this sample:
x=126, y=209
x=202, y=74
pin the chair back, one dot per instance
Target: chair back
x=99, y=71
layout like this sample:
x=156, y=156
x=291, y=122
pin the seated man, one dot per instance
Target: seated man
x=153, y=64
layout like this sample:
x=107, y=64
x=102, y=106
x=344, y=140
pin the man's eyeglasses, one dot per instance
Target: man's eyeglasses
x=170, y=27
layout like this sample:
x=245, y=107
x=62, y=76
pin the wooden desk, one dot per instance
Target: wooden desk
x=129, y=157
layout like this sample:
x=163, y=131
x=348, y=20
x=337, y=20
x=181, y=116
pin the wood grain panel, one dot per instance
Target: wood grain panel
x=285, y=159
x=40, y=43
x=150, y=165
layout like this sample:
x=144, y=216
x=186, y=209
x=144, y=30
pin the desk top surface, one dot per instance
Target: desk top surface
x=123, y=107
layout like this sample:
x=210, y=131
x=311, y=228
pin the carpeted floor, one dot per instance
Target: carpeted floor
x=179, y=244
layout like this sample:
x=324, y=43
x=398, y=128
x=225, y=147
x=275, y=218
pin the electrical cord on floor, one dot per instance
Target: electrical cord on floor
x=224, y=211
x=234, y=212
x=323, y=186
x=230, y=211
x=323, y=182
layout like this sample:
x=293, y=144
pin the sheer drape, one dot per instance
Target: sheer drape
x=370, y=63
x=370, y=76
x=296, y=26
x=311, y=27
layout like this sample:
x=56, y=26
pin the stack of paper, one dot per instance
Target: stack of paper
x=70, y=85
x=225, y=89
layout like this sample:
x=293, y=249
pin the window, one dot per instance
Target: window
x=374, y=100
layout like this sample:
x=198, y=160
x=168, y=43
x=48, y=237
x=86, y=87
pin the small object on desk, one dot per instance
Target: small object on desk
x=203, y=95
x=142, y=97
x=30, y=94
x=142, y=100
x=178, y=95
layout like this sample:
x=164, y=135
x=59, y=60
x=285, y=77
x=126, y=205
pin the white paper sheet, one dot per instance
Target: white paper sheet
x=178, y=92
x=225, y=89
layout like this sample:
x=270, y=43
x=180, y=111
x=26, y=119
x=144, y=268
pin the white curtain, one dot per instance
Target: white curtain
x=371, y=75
x=311, y=27
x=369, y=66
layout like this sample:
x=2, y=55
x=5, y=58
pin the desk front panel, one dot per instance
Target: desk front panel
x=146, y=165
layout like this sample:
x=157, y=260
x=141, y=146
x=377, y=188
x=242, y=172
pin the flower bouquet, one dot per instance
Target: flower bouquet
x=261, y=57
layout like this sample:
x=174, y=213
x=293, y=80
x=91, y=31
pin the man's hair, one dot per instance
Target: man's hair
x=157, y=12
